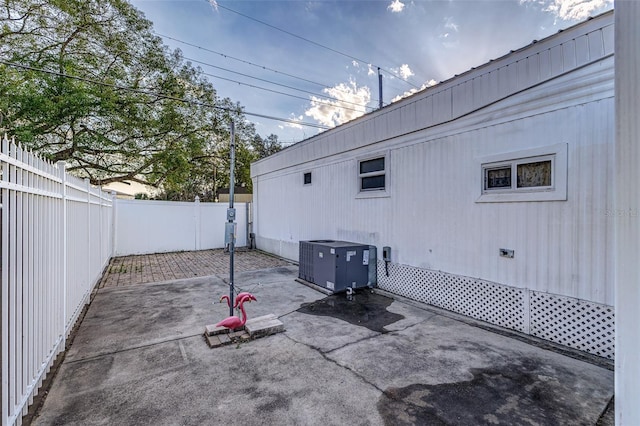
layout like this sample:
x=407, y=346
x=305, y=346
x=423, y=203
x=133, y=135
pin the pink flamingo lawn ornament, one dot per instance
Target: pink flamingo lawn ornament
x=233, y=321
x=239, y=298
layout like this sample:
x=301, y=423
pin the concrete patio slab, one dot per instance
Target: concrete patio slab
x=140, y=358
x=474, y=366
x=324, y=333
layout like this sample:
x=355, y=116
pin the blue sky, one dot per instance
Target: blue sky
x=415, y=43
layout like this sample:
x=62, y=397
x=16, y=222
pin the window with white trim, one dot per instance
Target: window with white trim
x=525, y=174
x=538, y=174
x=372, y=174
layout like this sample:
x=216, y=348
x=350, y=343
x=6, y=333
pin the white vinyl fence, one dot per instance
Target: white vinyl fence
x=57, y=234
x=144, y=227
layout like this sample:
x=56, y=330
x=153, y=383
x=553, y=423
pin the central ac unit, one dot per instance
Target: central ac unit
x=337, y=265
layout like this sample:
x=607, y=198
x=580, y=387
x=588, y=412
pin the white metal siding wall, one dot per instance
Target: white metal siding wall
x=560, y=246
x=290, y=212
x=431, y=219
x=561, y=278
x=47, y=273
x=559, y=284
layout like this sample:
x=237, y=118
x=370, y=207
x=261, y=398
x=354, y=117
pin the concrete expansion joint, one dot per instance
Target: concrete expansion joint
x=325, y=356
x=288, y=313
x=130, y=348
x=400, y=330
x=355, y=341
x=297, y=342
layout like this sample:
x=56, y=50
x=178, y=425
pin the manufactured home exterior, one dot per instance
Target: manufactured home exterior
x=493, y=190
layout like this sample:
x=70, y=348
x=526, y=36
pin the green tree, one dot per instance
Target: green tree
x=265, y=147
x=124, y=117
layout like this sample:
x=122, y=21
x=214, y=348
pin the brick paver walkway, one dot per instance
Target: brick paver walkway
x=147, y=268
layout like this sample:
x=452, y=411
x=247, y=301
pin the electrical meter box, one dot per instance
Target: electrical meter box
x=337, y=265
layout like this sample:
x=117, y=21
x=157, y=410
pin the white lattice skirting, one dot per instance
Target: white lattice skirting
x=572, y=322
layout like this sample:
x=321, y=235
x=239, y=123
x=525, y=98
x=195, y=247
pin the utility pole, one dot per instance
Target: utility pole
x=379, y=88
x=230, y=232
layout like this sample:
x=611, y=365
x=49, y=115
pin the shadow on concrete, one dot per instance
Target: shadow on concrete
x=139, y=358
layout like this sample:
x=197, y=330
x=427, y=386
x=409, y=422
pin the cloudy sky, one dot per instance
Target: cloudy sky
x=316, y=62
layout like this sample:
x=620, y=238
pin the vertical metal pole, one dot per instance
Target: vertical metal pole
x=231, y=215
x=247, y=231
x=379, y=88
x=215, y=185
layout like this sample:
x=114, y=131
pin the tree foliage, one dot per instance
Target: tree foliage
x=265, y=147
x=136, y=111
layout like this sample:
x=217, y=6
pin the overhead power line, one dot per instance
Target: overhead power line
x=342, y=102
x=160, y=95
x=276, y=84
x=257, y=78
x=362, y=61
x=224, y=55
x=288, y=94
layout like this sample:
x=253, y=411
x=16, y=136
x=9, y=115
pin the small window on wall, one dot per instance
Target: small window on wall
x=372, y=174
x=307, y=178
x=530, y=174
x=525, y=176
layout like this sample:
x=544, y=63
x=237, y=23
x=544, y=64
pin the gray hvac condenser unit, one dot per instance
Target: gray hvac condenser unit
x=337, y=265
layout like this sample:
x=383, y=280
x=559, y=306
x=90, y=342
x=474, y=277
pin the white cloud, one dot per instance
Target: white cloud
x=371, y=70
x=450, y=28
x=214, y=5
x=349, y=104
x=404, y=71
x=571, y=9
x=396, y=6
x=355, y=63
x=429, y=83
x=450, y=25
x=293, y=117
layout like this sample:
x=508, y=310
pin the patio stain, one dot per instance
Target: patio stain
x=364, y=308
x=514, y=394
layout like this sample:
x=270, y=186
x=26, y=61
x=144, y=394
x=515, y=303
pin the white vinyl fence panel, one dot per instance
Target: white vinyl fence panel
x=144, y=226
x=58, y=234
x=56, y=240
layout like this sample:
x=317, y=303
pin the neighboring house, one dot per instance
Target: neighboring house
x=240, y=195
x=127, y=189
x=493, y=190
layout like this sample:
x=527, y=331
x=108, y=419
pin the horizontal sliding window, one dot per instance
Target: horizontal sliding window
x=530, y=174
x=538, y=174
